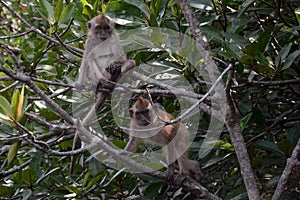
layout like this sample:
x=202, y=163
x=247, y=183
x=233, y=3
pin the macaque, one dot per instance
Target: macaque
x=103, y=58
x=173, y=138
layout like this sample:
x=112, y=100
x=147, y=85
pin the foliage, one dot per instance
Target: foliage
x=262, y=36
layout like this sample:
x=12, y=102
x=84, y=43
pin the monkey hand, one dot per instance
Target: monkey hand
x=128, y=65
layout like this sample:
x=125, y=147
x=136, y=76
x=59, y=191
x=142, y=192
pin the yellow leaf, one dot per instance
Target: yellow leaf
x=20, y=103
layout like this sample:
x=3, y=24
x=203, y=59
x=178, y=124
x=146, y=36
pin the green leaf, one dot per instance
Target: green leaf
x=85, y=178
x=13, y=152
x=29, y=176
x=270, y=146
x=87, y=9
x=60, y=193
x=247, y=59
x=152, y=190
x=294, y=135
x=58, y=9
x=244, y=121
x=282, y=54
x=5, y=107
x=45, y=175
x=14, y=102
x=237, y=193
x=114, y=176
x=290, y=59
x=66, y=13
x=35, y=162
x=245, y=6
x=46, y=10
x=94, y=181
x=297, y=13
x=140, y=5
x=21, y=105
x=6, y=191
x=285, y=146
x=280, y=117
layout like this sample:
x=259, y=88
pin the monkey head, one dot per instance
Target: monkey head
x=141, y=112
x=102, y=26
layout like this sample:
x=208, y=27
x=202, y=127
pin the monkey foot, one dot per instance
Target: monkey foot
x=174, y=180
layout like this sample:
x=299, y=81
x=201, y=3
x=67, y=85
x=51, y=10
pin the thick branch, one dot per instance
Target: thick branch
x=194, y=24
x=233, y=126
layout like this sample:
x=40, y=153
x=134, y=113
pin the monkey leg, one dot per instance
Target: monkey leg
x=196, y=169
x=186, y=166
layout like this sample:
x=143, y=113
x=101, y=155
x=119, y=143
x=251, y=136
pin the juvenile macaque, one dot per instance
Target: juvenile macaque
x=103, y=57
x=173, y=138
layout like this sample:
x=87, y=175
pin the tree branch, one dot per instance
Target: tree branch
x=233, y=126
x=26, y=79
x=188, y=184
x=291, y=162
x=39, y=32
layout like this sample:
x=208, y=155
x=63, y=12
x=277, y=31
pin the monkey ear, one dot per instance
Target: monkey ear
x=89, y=24
x=141, y=99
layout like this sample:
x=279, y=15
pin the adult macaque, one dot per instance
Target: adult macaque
x=173, y=138
x=103, y=58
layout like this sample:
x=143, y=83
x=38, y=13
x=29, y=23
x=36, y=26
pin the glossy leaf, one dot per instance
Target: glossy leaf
x=13, y=150
x=47, y=11
x=66, y=13
x=290, y=59
x=139, y=4
x=6, y=112
x=58, y=9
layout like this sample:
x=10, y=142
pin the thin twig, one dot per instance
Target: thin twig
x=14, y=169
x=9, y=87
x=188, y=111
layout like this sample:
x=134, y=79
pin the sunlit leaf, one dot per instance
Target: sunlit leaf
x=20, y=104
x=66, y=13
x=47, y=11
x=5, y=107
x=58, y=9
x=87, y=9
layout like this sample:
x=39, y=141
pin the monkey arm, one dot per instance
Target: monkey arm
x=132, y=144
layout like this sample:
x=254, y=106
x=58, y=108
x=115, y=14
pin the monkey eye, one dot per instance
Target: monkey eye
x=131, y=112
x=89, y=25
x=142, y=112
x=106, y=27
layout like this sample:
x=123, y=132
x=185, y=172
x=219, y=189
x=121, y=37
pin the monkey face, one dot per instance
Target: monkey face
x=101, y=26
x=141, y=117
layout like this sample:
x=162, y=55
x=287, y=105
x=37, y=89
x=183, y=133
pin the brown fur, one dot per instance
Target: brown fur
x=173, y=138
